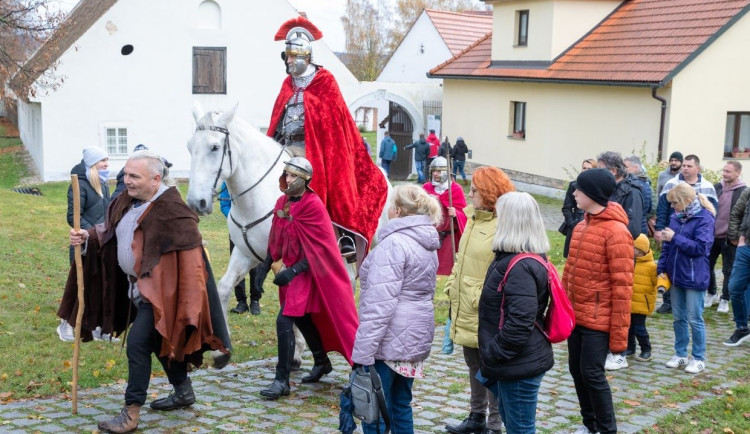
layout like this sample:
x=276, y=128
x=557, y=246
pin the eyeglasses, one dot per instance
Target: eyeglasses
x=473, y=190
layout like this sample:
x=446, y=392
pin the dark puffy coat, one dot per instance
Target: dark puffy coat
x=572, y=216
x=120, y=185
x=628, y=195
x=93, y=206
x=520, y=349
x=421, y=149
x=460, y=150
x=642, y=181
x=685, y=258
x=445, y=149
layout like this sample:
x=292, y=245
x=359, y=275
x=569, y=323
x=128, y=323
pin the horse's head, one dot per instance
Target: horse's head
x=211, y=159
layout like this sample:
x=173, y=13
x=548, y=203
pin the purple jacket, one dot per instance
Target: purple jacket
x=396, y=316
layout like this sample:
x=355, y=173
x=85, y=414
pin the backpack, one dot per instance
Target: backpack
x=559, y=320
x=368, y=398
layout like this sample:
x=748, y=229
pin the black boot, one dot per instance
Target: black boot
x=182, y=396
x=322, y=367
x=475, y=423
x=276, y=390
x=255, y=307
x=241, y=307
x=280, y=385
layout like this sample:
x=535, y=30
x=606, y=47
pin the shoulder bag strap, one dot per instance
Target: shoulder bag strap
x=513, y=262
x=378, y=389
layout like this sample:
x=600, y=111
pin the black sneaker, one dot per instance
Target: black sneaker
x=629, y=353
x=664, y=308
x=645, y=356
x=737, y=337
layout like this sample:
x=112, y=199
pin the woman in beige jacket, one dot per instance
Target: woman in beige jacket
x=464, y=287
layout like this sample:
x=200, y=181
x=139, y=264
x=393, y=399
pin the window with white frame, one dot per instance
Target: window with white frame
x=737, y=137
x=517, y=119
x=522, y=28
x=116, y=141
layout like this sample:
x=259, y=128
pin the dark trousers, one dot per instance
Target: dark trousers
x=666, y=298
x=285, y=336
x=239, y=290
x=638, y=331
x=143, y=339
x=721, y=247
x=587, y=352
x=397, y=391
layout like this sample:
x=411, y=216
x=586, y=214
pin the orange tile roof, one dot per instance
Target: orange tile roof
x=643, y=42
x=460, y=29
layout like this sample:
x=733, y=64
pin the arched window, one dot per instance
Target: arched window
x=209, y=15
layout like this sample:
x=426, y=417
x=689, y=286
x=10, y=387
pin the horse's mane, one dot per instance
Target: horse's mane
x=240, y=131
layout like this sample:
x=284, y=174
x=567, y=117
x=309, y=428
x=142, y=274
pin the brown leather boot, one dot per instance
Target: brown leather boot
x=126, y=421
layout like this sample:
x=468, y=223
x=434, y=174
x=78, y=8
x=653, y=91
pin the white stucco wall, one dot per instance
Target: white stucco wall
x=150, y=91
x=554, y=25
x=565, y=124
x=30, y=129
x=715, y=83
x=408, y=63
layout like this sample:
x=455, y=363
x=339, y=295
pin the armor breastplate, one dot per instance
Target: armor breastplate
x=291, y=129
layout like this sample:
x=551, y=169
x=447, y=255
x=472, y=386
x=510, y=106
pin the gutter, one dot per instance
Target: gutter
x=662, y=119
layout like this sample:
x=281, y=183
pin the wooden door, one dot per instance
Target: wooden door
x=401, y=129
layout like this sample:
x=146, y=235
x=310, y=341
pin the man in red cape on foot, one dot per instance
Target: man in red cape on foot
x=314, y=289
x=312, y=119
x=439, y=186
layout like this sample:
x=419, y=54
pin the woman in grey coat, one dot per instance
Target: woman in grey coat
x=396, y=316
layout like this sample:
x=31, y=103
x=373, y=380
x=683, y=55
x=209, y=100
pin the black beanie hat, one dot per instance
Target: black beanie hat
x=598, y=184
x=676, y=155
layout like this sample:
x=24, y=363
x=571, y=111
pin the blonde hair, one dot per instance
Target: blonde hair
x=684, y=194
x=413, y=200
x=94, y=180
x=520, y=227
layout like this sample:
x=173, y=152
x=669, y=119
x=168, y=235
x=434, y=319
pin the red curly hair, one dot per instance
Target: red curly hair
x=491, y=183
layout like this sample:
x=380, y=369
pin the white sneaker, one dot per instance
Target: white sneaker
x=583, y=430
x=98, y=336
x=617, y=361
x=677, y=361
x=65, y=332
x=695, y=366
x=710, y=299
x=723, y=306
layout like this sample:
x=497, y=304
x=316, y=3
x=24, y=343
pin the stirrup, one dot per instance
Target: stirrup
x=345, y=252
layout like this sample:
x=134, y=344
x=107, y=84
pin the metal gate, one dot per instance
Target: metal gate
x=401, y=129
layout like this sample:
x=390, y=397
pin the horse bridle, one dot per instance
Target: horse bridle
x=228, y=151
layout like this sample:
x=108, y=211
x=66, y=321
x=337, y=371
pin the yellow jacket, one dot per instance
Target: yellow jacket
x=644, y=285
x=464, y=285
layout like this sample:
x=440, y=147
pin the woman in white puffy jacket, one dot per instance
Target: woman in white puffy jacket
x=396, y=315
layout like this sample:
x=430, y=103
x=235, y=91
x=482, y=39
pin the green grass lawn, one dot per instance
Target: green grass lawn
x=34, y=266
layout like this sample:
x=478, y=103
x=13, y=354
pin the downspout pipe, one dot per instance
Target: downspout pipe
x=660, y=149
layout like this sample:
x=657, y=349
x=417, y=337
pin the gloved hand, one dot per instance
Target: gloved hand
x=286, y=276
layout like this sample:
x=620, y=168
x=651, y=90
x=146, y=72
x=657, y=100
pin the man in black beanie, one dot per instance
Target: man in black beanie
x=598, y=278
x=672, y=169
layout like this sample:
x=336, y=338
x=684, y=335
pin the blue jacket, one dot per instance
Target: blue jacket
x=664, y=211
x=387, y=149
x=685, y=258
x=225, y=200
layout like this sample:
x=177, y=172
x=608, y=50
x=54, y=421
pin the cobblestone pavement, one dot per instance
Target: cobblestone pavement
x=228, y=400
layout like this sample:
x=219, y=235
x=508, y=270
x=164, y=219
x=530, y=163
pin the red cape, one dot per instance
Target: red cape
x=324, y=291
x=445, y=255
x=351, y=187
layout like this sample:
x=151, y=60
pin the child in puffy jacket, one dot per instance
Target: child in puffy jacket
x=644, y=298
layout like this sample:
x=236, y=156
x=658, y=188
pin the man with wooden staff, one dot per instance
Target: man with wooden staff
x=145, y=264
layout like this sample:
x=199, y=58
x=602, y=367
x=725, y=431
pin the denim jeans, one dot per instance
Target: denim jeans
x=727, y=252
x=687, y=309
x=638, y=331
x=397, y=390
x=587, y=352
x=419, y=165
x=739, y=285
x=458, y=166
x=386, y=165
x=517, y=403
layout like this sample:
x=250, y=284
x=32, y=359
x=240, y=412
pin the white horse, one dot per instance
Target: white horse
x=226, y=149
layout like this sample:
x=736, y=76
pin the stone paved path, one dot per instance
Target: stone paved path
x=228, y=400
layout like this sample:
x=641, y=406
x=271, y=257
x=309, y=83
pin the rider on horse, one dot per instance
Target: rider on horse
x=312, y=119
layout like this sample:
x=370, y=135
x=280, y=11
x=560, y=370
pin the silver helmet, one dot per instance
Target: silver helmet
x=301, y=167
x=299, y=49
x=439, y=164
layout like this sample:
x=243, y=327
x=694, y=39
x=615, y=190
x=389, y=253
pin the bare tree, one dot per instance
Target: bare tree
x=24, y=25
x=367, y=31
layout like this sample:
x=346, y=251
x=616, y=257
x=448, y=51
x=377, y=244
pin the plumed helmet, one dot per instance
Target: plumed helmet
x=298, y=34
x=299, y=166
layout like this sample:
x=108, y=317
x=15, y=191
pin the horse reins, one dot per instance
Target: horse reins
x=228, y=151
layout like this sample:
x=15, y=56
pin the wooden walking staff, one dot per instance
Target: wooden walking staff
x=450, y=196
x=79, y=275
